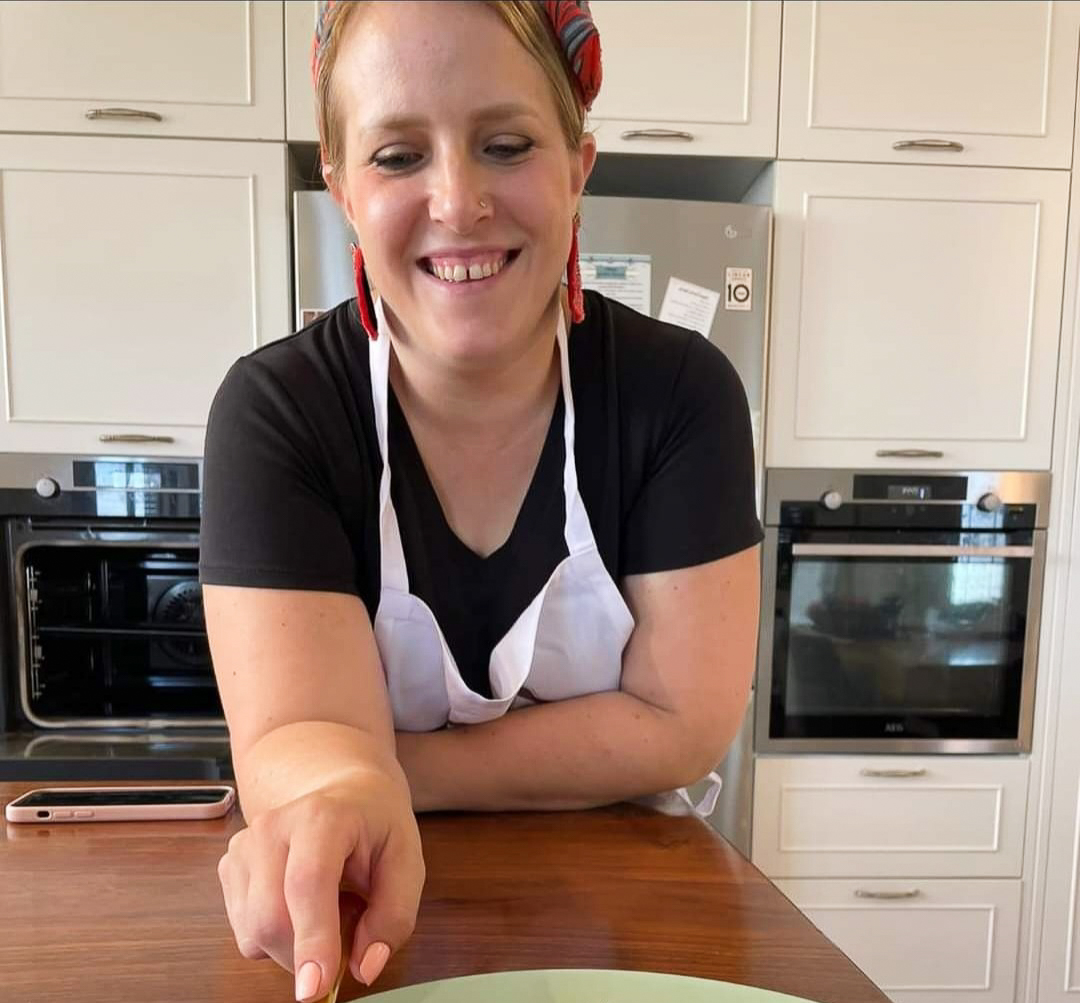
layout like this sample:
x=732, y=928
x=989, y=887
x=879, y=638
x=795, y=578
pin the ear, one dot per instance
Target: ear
x=338, y=193
x=583, y=161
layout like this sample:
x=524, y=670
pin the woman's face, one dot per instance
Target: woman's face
x=458, y=179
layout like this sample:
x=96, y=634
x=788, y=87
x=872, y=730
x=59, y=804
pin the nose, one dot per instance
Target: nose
x=458, y=200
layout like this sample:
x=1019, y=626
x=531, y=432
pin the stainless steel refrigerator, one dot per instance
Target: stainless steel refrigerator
x=701, y=264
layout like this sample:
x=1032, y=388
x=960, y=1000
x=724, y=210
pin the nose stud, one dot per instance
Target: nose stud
x=483, y=204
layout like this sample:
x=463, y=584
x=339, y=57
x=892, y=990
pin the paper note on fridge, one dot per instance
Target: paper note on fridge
x=689, y=305
x=626, y=278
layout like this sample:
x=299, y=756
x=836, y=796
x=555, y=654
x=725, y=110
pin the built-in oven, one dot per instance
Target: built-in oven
x=900, y=611
x=104, y=653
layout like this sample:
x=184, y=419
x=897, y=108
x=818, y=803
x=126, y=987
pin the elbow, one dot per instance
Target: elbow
x=693, y=765
x=700, y=741
x=695, y=750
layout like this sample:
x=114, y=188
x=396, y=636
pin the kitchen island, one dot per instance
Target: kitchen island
x=99, y=912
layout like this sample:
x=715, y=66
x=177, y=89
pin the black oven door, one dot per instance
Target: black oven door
x=110, y=628
x=901, y=640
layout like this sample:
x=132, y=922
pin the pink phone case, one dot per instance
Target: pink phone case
x=118, y=812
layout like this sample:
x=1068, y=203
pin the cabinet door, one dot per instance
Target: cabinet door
x=688, y=78
x=143, y=69
x=134, y=272
x=299, y=90
x=984, y=83
x=1056, y=947
x=922, y=941
x=1059, y=962
x=915, y=308
x=867, y=816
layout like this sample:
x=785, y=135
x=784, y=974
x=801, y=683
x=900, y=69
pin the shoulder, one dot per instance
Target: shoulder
x=310, y=371
x=332, y=343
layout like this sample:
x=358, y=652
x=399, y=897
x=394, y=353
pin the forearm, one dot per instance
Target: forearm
x=297, y=758
x=572, y=754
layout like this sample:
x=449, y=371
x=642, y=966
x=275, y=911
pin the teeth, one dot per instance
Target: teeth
x=471, y=273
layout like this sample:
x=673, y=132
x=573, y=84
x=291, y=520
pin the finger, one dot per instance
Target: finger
x=263, y=923
x=232, y=873
x=311, y=885
x=397, y=881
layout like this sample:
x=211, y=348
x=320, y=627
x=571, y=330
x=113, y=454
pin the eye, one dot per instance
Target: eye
x=393, y=161
x=507, y=148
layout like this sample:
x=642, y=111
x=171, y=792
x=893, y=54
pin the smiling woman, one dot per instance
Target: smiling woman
x=473, y=541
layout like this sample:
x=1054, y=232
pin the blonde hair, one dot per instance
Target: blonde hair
x=526, y=20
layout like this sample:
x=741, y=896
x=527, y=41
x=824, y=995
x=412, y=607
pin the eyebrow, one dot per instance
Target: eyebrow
x=493, y=112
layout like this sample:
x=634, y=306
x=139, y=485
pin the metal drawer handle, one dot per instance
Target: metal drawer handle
x=123, y=113
x=658, y=134
x=944, y=145
x=912, y=454
x=893, y=774
x=136, y=438
x=907, y=893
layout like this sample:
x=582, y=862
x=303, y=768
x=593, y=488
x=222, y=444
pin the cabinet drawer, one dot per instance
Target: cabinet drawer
x=713, y=80
x=199, y=70
x=944, y=82
x=930, y=941
x=866, y=816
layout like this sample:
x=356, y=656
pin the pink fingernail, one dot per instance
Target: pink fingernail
x=307, y=981
x=373, y=962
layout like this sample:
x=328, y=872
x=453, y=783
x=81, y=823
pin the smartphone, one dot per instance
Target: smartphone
x=119, y=804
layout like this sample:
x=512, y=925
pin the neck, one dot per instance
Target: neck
x=480, y=404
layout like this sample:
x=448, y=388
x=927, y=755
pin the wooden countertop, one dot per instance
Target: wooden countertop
x=99, y=912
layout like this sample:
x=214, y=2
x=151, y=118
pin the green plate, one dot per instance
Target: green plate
x=580, y=986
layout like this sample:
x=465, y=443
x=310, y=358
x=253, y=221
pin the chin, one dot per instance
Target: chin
x=475, y=341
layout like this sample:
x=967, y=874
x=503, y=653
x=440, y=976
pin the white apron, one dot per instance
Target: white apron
x=568, y=642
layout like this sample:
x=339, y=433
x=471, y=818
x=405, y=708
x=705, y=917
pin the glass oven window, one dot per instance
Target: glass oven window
x=116, y=632
x=886, y=645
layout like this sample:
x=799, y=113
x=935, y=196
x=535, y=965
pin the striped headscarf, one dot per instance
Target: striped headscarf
x=571, y=23
x=580, y=41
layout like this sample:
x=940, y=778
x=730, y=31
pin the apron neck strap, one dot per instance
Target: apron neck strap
x=577, y=529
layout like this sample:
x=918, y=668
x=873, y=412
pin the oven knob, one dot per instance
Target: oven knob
x=832, y=500
x=46, y=487
x=989, y=502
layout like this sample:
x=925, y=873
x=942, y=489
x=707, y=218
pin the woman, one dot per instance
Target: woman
x=474, y=543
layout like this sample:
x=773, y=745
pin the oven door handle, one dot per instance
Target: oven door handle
x=905, y=550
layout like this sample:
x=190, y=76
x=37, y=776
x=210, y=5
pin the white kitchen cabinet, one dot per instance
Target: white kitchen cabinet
x=1056, y=932
x=299, y=89
x=688, y=78
x=915, y=309
x=966, y=83
x=212, y=70
x=881, y=816
x=1059, y=963
x=679, y=77
x=134, y=272
x=921, y=941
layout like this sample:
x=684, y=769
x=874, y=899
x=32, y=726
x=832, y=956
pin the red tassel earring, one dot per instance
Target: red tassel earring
x=573, y=277
x=363, y=294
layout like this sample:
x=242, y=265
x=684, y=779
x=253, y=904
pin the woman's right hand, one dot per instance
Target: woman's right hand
x=283, y=874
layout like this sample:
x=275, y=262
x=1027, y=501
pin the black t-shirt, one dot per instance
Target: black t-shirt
x=291, y=474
